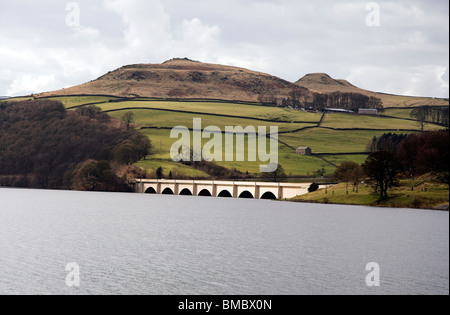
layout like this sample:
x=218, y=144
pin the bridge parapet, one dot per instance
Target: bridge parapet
x=235, y=189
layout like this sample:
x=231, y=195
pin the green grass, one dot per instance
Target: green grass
x=157, y=118
x=71, y=101
x=19, y=99
x=401, y=197
x=321, y=140
x=338, y=159
x=331, y=141
x=340, y=121
x=261, y=112
x=404, y=113
x=169, y=166
x=292, y=163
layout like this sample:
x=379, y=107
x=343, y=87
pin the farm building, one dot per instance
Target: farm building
x=338, y=110
x=304, y=151
x=368, y=111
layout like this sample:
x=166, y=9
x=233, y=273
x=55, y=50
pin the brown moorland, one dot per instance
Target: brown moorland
x=186, y=79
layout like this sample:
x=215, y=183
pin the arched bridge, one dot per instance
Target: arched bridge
x=228, y=189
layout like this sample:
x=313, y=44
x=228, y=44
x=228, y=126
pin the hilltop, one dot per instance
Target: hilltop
x=323, y=83
x=186, y=79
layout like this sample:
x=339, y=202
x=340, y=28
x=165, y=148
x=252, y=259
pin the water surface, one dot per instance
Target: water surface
x=152, y=244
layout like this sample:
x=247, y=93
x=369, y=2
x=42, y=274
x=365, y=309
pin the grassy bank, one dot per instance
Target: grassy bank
x=426, y=195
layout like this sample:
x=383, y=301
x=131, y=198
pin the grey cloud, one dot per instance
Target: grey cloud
x=408, y=53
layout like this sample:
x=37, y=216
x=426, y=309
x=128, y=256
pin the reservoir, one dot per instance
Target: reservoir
x=155, y=244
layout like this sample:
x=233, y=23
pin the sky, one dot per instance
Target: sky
x=391, y=46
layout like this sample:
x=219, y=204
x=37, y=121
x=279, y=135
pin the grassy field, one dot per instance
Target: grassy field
x=331, y=141
x=156, y=118
x=342, y=121
x=81, y=100
x=250, y=111
x=166, y=115
x=401, y=197
x=169, y=166
x=338, y=159
x=19, y=99
x=161, y=119
x=293, y=164
x=398, y=112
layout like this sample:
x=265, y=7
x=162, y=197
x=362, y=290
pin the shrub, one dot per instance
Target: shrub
x=313, y=187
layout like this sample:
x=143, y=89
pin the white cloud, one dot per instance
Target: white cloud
x=408, y=53
x=414, y=81
x=197, y=40
x=82, y=31
x=32, y=84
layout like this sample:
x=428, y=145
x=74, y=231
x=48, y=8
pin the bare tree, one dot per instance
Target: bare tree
x=127, y=119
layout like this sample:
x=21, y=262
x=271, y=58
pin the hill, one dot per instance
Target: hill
x=186, y=79
x=323, y=83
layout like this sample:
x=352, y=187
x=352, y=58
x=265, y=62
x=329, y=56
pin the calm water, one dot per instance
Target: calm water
x=148, y=244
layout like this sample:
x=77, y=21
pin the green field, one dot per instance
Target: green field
x=331, y=141
x=434, y=196
x=81, y=100
x=334, y=137
x=398, y=112
x=18, y=99
x=249, y=111
x=164, y=119
x=343, y=121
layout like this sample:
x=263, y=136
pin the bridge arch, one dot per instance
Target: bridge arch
x=186, y=192
x=168, y=191
x=256, y=190
x=269, y=196
x=205, y=193
x=246, y=195
x=150, y=190
x=225, y=194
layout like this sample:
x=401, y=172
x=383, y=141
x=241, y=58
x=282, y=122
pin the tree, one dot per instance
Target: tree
x=127, y=120
x=279, y=175
x=130, y=173
x=349, y=172
x=426, y=153
x=45, y=142
x=382, y=168
x=133, y=149
x=320, y=173
x=159, y=173
x=95, y=176
x=142, y=144
x=126, y=153
x=93, y=112
x=421, y=115
x=313, y=187
x=387, y=142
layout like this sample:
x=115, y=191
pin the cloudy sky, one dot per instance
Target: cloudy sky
x=393, y=46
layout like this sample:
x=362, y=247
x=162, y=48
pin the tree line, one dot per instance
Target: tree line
x=322, y=101
x=42, y=145
x=343, y=100
x=431, y=114
x=395, y=157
